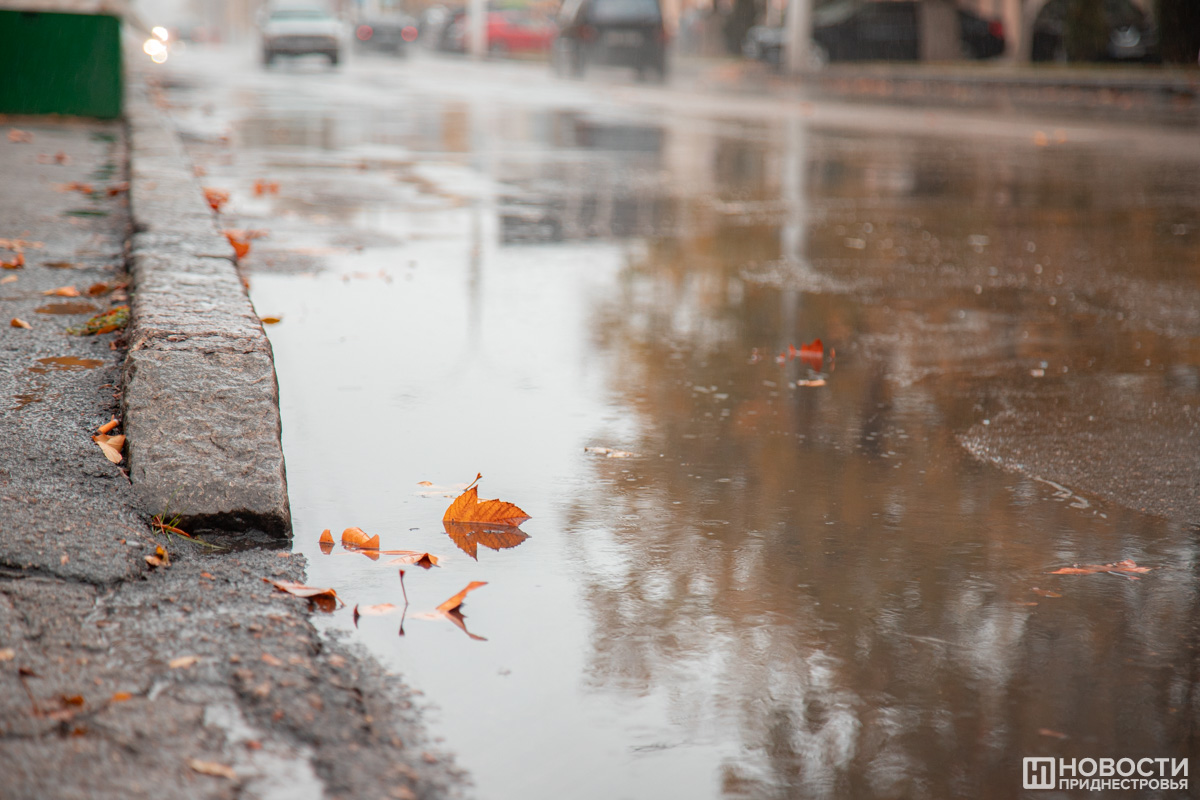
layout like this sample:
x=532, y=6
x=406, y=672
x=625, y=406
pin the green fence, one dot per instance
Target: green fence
x=54, y=63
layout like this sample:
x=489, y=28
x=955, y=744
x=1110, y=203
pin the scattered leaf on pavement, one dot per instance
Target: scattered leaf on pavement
x=108, y=426
x=212, y=768
x=161, y=557
x=114, y=319
x=120, y=697
x=1123, y=568
x=326, y=542
x=7, y=654
x=8, y=279
x=17, y=322
x=111, y=446
x=104, y=287
x=17, y=262
x=62, y=291
x=327, y=599
x=183, y=662
x=216, y=198
x=469, y=508
x=18, y=135
x=262, y=187
x=240, y=246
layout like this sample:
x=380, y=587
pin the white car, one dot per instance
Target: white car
x=299, y=31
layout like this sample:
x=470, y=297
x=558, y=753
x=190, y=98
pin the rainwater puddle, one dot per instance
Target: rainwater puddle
x=774, y=590
x=65, y=364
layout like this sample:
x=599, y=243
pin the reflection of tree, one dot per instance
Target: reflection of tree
x=824, y=572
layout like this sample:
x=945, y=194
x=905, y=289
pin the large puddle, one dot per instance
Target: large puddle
x=775, y=588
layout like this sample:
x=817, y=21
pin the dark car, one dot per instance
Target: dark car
x=853, y=30
x=620, y=33
x=388, y=34
x=1125, y=34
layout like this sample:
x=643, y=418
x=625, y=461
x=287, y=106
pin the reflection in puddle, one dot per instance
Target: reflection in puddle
x=65, y=364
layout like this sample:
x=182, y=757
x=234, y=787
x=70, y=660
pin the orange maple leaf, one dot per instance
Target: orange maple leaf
x=467, y=507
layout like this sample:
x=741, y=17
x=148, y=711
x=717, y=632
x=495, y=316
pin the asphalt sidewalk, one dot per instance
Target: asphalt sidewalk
x=123, y=676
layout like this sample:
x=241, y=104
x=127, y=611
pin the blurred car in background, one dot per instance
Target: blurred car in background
x=619, y=33
x=507, y=32
x=391, y=34
x=877, y=30
x=299, y=31
x=1132, y=35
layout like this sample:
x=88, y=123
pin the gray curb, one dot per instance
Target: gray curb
x=200, y=399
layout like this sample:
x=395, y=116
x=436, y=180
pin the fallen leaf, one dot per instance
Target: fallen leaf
x=73, y=700
x=270, y=320
x=327, y=599
x=111, y=446
x=17, y=262
x=1045, y=592
x=262, y=187
x=104, y=287
x=457, y=600
x=18, y=135
x=212, y=768
x=415, y=557
x=74, y=186
x=117, y=188
x=108, y=426
x=156, y=561
x=813, y=354
x=62, y=291
x=1052, y=734
x=7, y=654
x=183, y=662
x=20, y=323
x=376, y=610
x=115, y=318
x=240, y=246
x=357, y=539
x=271, y=660
x=469, y=535
x=469, y=508
x=326, y=542
x=8, y=279
x=813, y=382
x=216, y=198
x=425, y=483
x=1122, y=568
x=120, y=697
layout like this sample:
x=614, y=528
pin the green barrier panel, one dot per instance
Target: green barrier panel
x=60, y=64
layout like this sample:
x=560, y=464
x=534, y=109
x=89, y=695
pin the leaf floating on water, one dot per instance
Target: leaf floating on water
x=1052, y=733
x=1122, y=568
x=326, y=542
x=812, y=383
x=469, y=508
x=377, y=610
x=609, y=452
x=469, y=535
x=357, y=539
x=111, y=446
x=326, y=599
x=1044, y=592
x=457, y=600
x=451, y=610
x=415, y=557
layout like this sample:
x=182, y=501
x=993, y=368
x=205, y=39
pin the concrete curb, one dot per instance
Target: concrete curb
x=200, y=399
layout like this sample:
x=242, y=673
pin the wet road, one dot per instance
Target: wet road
x=798, y=577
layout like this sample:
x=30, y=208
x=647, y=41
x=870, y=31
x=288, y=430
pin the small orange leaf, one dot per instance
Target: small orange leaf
x=216, y=198
x=8, y=279
x=120, y=697
x=416, y=557
x=18, y=135
x=20, y=323
x=457, y=600
x=17, y=262
x=357, y=538
x=1044, y=592
x=240, y=246
x=212, y=768
x=1122, y=568
x=467, y=507
x=62, y=291
x=270, y=320
x=425, y=483
x=108, y=426
x=183, y=662
x=326, y=542
x=111, y=446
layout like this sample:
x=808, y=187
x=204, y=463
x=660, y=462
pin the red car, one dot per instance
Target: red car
x=510, y=32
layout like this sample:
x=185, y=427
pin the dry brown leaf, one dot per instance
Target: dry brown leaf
x=212, y=768
x=120, y=697
x=8, y=279
x=457, y=600
x=183, y=662
x=1053, y=734
x=105, y=287
x=20, y=323
x=117, y=188
x=327, y=599
x=468, y=508
x=270, y=320
x=108, y=426
x=111, y=446
x=17, y=263
x=326, y=542
x=356, y=538
x=7, y=654
x=156, y=561
x=271, y=660
x=424, y=483
x=62, y=291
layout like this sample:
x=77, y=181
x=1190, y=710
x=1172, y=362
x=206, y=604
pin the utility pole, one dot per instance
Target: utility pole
x=798, y=49
x=477, y=28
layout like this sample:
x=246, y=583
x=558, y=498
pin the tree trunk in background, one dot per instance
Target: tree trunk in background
x=1179, y=30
